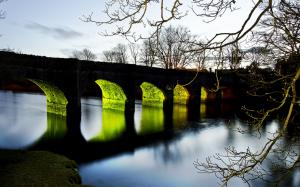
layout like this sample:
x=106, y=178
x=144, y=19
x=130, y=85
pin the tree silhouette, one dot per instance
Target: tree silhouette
x=84, y=54
x=118, y=54
x=2, y=12
x=272, y=25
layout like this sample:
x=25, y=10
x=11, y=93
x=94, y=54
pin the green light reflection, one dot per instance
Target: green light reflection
x=112, y=127
x=152, y=96
x=152, y=120
x=181, y=95
x=179, y=116
x=202, y=110
x=56, y=100
x=113, y=96
x=56, y=126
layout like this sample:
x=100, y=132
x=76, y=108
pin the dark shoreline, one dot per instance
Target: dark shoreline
x=37, y=168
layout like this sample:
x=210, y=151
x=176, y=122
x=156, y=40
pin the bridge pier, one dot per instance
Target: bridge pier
x=194, y=102
x=168, y=108
x=130, y=91
x=72, y=92
x=129, y=117
x=73, y=120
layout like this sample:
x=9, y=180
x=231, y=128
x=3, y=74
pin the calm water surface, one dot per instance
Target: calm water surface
x=166, y=163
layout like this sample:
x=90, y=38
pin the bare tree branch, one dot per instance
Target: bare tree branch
x=84, y=54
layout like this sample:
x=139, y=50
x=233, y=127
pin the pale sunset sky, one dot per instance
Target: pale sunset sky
x=53, y=28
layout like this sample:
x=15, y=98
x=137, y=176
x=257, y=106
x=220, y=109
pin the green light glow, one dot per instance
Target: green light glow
x=56, y=100
x=113, y=125
x=56, y=126
x=181, y=95
x=152, y=120
x=113, y=96
x=202, y=110
x=203, y=94
x=179, y=116
x=152, y=96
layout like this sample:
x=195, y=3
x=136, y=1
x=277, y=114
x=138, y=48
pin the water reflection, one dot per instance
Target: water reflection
x=170, y=163
x=202, y=110
x=25, y=120
x=151, y=120
x=56, y=127
x=101, y=124
x=179, y=116
x=113, y=125
x=22, y=119
x=91, y=117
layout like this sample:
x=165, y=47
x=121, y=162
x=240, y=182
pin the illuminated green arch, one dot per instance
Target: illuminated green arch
x=56, y=100
x=181, y=95
x=203, y=96
x=113, y=96
x=152, y=96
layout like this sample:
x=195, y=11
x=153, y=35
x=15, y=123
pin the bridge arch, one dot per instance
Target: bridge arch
x=56, y=99
x=113, y=96
x=203, y=94
x=181, y=94
x=55, y=114
x=152, y=95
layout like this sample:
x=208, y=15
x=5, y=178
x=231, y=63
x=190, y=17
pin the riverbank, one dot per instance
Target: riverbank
x=37, y=168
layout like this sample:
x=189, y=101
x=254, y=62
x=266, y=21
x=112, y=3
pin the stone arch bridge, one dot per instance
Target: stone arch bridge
x=64, y=81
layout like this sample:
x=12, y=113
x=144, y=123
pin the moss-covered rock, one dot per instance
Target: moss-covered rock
x=37, y=168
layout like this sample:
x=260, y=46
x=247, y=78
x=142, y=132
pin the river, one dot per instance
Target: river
x=162, y=162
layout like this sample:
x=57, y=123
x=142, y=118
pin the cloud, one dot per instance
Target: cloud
x=56, y=32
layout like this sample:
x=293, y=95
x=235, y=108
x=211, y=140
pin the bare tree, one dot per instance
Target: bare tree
x=2, y=12
x=117, y=54
x=12, y=50
x=148, y=52
x=109, y=55
x=134, y=52
x=129, y=15
x=279, y=35
x=277, y=21
x=121, y=54
x=200, y=60
x=174, y=46
x=235, y=56
x=84, y=54
x=281, y=28
x=173, y=49
x=259, y=56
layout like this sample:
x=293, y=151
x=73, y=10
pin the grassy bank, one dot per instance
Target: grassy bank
x=37, y=168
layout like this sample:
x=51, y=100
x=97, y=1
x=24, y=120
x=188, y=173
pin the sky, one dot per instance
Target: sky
x=54, y=29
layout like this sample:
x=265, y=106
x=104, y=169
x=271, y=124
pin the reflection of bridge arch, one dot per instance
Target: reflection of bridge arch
x=113, y=96
x=51, y=117
x=56, y=110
